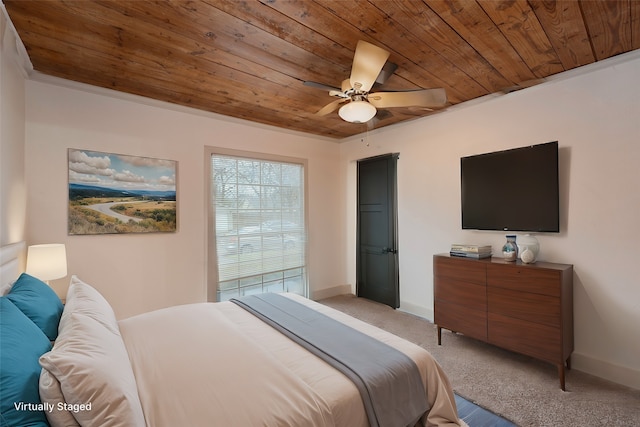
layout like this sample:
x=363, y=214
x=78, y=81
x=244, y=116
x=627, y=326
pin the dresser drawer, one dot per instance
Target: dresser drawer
x=472, y=323
x=525, y=279
x=465, y=294
x=531, y=307
x=460, y=269
x=533, y=339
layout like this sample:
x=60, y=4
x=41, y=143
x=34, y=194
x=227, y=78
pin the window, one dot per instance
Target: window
x=258, y=237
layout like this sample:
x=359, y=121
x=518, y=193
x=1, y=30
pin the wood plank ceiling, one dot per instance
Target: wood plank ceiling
x=249, y=59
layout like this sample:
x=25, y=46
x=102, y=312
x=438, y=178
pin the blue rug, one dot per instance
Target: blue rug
x=476, y=416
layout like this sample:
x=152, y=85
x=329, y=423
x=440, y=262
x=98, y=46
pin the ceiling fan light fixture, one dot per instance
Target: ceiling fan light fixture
x=357, y=112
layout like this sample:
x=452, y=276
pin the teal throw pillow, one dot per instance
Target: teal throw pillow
x=22, y=344
x=38, y=302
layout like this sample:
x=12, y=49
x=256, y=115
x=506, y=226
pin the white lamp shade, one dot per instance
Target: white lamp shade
x=357, y=112
x=47, y=262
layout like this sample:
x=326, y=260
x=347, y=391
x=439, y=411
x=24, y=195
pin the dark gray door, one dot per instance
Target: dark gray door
x=377, y=255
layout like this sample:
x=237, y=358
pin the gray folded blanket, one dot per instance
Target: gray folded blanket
x=388, y=380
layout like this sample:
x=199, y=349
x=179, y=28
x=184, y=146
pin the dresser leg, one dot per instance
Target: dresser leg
x=561, y=375
x=569, y=363
x=439, y=335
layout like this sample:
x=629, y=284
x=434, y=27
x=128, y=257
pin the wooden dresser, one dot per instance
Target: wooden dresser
x=527, y=308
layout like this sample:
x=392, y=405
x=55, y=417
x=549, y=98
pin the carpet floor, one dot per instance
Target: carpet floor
x=519, y=388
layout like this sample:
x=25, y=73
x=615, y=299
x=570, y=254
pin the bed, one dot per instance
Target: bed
x=206, y=364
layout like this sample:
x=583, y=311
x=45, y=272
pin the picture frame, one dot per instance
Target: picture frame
x=118, y=194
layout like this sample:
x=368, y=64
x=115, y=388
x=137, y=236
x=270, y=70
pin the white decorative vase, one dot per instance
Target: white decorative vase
x=527, y=256
x=528, y=248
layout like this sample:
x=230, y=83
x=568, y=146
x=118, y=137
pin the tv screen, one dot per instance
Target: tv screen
x=511, y=190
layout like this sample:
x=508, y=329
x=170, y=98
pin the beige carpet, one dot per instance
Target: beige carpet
x=519, y=388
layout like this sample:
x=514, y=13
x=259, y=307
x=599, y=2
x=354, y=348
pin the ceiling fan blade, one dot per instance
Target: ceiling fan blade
x=331, y=107
x=414, y=98
x=346, y=85
x=383, y=114
x=380, y=116
x=368, y=61
x=320, y=86
x=387, y=70
x=419, y=109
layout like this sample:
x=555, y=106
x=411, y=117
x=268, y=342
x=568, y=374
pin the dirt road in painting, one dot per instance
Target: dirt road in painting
x=105, y=208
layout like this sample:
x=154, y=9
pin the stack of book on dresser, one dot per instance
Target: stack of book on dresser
x=470, y=251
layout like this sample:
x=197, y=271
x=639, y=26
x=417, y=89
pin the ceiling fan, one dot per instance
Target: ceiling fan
x=370, y=66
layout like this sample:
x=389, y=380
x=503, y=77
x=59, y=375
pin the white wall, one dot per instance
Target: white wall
x=595, y=116
x=141, y=272
x=13, y=193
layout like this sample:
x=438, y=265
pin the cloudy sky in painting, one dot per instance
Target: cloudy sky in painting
x=121, y=172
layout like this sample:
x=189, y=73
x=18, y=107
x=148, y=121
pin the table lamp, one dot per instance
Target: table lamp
x=47, y=262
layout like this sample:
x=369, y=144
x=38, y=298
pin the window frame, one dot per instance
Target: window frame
x=211, y=255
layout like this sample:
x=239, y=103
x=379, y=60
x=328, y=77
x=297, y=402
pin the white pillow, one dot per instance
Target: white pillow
x=92, y=366
x=85, y=299
x=4, y=289
x=51, y=394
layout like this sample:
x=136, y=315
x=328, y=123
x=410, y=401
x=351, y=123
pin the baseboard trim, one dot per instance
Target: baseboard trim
x=618, y=374
x=417, y=310
x=331, y=292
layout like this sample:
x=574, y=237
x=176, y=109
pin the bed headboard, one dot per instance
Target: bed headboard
x=11, y=264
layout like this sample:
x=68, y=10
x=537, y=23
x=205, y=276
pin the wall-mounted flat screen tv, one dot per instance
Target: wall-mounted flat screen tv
x=512, y=190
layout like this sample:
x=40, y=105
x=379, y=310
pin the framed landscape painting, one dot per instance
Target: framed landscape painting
x=115, y=193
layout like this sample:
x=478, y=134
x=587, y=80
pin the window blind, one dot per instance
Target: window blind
x=259, y=226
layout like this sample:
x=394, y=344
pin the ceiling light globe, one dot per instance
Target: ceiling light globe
x=357, y=112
